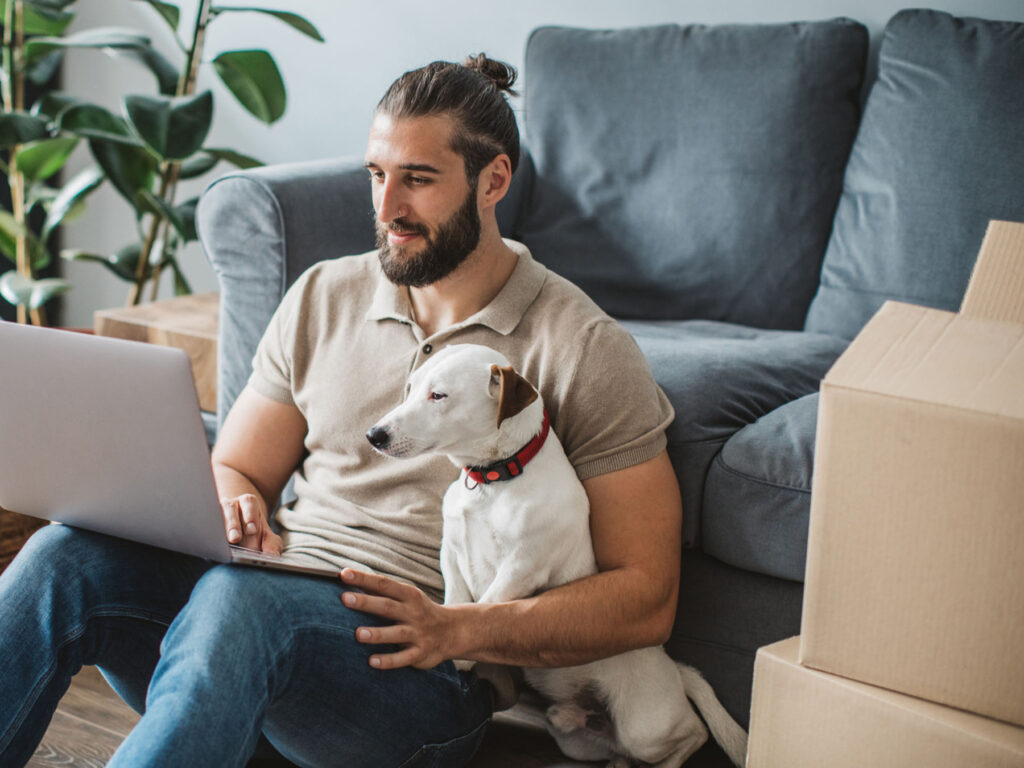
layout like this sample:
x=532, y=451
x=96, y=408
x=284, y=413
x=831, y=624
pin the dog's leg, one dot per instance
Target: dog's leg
x=518, y=576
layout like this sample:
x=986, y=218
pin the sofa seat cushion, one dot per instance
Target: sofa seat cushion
x=690, y=172
x=757, y=500
x=940, y=152
x=720, y=377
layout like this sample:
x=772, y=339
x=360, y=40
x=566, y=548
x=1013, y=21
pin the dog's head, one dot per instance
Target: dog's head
x=462, y=403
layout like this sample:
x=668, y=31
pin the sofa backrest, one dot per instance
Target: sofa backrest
x=691, y=172
x=940, y=151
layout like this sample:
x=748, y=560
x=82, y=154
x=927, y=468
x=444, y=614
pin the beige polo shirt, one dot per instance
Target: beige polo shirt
x=341, y=348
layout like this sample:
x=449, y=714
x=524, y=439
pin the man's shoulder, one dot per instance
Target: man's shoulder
x=566, y=307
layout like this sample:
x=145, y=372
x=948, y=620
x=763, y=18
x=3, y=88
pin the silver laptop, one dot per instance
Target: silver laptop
x=107, y=435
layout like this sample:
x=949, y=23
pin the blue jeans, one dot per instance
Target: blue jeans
x=216, y=658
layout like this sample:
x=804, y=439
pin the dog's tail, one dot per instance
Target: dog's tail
x=727, y=732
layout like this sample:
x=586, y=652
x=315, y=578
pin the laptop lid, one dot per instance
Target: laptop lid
x=107, y=435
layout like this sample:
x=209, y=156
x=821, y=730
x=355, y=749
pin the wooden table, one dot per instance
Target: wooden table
x=185, y=322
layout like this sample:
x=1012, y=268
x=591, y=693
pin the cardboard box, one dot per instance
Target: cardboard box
x=186, y=322
x=915, y=564
x=801, y=718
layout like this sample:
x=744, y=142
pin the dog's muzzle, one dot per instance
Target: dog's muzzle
x=379, y=437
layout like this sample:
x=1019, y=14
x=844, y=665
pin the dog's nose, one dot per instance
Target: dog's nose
x=378, y=437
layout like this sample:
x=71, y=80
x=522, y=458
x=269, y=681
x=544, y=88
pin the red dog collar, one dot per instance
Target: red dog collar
x=506, y=469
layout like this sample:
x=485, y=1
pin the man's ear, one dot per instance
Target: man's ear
x=494, y=181
x=514, y=392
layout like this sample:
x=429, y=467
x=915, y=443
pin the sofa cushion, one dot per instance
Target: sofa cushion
x=940, y=152
x=757, y=499
x=721, y=377
x=691, y=172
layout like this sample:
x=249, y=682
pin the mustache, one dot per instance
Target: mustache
x=403, y=227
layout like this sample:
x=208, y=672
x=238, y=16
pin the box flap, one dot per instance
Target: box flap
x=996, y=288
x=937, y=357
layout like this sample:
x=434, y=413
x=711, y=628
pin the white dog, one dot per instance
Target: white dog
x=508, y=540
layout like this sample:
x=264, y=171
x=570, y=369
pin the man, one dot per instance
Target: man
x=222, y=659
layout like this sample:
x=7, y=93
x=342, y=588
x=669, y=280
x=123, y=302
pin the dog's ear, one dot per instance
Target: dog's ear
x=515, y=392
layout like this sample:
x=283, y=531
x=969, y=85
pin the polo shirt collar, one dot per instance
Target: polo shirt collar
x=391, y=302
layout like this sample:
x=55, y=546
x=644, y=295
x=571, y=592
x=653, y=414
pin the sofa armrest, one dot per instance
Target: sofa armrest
x=263, y=228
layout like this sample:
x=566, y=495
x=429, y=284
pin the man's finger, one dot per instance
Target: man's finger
x=272, y=543
x=251, y=514
x=378, y=606
x=405, y=658
x=396, y=634
x=232, y=526
x=371, y=582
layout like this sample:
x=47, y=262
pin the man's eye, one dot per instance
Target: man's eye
x=377, y=176
x=437, y=396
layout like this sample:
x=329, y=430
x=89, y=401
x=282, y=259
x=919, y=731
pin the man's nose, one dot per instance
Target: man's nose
x=391, y=203
x=378, y=437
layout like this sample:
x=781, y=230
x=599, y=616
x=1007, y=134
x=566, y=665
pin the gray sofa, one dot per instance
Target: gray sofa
x=722, y=191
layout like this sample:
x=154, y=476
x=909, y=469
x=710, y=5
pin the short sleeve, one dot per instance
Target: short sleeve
x=614, y=415
x=272, y=365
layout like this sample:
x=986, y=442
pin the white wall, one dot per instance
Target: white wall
x=334, y=86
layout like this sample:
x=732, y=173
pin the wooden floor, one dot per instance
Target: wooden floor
x=92, y=721
x=88, y=726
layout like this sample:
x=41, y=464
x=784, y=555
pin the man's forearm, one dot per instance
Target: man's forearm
x=592, y=618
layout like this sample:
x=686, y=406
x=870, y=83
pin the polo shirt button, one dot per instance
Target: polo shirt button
x=427, y=349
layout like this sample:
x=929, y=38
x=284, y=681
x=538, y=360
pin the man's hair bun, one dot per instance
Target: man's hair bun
x=498, y=72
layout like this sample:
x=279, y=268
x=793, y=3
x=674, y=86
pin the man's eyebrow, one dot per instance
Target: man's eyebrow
x=419, y=167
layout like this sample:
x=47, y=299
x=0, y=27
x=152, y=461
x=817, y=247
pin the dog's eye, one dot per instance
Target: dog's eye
x=437, y=396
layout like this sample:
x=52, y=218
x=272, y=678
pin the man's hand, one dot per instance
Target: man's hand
x=424, y=629
x=246, y=524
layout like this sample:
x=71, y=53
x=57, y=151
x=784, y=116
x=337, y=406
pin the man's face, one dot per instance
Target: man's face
x=427, y=217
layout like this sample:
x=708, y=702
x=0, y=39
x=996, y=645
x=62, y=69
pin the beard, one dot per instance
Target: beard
x=455, y=240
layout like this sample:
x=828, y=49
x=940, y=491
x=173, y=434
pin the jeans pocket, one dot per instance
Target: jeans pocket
x=449, y=754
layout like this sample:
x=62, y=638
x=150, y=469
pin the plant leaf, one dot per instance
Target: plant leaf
x=254, y=79
x=18, y=128
x=291, y=19
x=123, y=263
x=150, y=203
x=173, y=127
x=49, y=6
x=43, y=70
x=197, y=165
x=102, y=37
x=181, y=286
x=9, y=231
x=128, y=168
x=16, y=288
x=52, y=103
x=237, y=159
x=70, y=195
x=165, y=72
x=24, y=291
x=39, y=160
x=41, y=22
x=170, y=13
x=94, y=122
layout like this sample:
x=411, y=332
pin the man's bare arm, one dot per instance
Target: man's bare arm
x=257, y=449
x=636, y=527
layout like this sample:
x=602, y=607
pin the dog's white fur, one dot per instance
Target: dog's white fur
x=511, y=539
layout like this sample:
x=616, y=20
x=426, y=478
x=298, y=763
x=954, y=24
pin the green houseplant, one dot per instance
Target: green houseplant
x=155, y=142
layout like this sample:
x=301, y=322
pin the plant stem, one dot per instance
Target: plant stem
x=169, y=171
x=14, y=101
